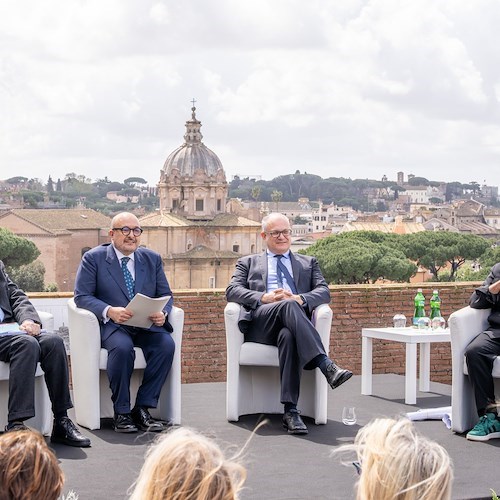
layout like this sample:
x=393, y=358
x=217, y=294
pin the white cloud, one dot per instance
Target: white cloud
x=359, y=88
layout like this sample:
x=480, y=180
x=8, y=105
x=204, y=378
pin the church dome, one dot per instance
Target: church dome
x=193, y=155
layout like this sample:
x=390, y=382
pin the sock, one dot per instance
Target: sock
x=290, y=407
x=60, y=414
x=324, y=364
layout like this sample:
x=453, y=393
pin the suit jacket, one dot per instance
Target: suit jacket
x=482, y=298
x=14, y=302
x=249, y=281
x=100, y=282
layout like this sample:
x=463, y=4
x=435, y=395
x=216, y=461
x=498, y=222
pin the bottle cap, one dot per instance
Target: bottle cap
x=419, y=290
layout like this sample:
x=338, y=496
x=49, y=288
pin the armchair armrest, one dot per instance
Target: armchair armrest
x=47, y=320
x=465, y=324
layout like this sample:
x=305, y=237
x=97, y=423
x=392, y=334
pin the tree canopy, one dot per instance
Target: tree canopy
x=16, y=251
x=442, y=249
x=361, y=257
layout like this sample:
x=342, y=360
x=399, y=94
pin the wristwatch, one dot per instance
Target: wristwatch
x=304, y=301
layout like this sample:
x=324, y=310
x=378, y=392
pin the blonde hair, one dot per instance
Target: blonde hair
x=399, y=463
x=28, y=467
x=185, y=465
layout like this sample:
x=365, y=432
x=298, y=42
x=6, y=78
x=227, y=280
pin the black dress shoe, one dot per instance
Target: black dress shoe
x=123, y=423
x=17, y=425
x=66, y=432
x=337, y=376
x=144, y=421
x=293, y=423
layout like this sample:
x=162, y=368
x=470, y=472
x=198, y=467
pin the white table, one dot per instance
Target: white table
x=411, y=337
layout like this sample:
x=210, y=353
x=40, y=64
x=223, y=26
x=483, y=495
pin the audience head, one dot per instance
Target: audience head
x=185, y=465
x=28, y=468
x=399, y=463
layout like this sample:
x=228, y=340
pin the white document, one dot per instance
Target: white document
x=10, y=328
x=143, y=307
x=443, y=413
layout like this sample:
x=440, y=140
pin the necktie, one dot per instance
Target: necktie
x=129, y=281
x=282, y=271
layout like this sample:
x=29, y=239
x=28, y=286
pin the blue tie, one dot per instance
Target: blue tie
x=129, y=281
x=282, y=271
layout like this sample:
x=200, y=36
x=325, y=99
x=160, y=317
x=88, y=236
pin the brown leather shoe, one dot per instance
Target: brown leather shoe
x=293, y=423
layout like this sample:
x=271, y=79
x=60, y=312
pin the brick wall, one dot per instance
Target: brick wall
x=354, y=307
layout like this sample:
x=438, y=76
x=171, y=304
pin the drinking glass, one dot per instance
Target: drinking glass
x=349, y=415
x=438, y=323
x=399, y=321
x=423, y=323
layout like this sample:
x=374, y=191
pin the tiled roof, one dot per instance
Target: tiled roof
x=477, y=228
x=166, y=219
x=203, y=252
x=62, y=220
x=384, y=227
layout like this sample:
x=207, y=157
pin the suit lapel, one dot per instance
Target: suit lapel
x=297, y=271
x=115, y=269
x=140, y=271
x=263, y=268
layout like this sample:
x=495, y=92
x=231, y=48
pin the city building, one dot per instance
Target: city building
x=198, y=239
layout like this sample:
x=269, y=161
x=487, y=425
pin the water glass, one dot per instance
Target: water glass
x=399, y=321
x=423, y=323
x=438, y=323
x=349, y=415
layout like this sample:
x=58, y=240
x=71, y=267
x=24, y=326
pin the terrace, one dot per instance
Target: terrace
x=281, y=466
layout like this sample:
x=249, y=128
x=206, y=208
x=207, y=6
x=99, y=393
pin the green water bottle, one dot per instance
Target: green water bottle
x=419, y=307
x=435, y=304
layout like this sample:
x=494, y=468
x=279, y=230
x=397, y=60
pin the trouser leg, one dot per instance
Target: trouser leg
x=286, y=325
x=22, y=352
x=54, y=363
x=480, y=355
x=290, y=369
x=158, y=349
x=121, y=357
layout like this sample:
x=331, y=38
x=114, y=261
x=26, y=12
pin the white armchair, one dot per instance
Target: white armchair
x=43, y=418
x=253, y=379
x=466, y=324
x=91, y=392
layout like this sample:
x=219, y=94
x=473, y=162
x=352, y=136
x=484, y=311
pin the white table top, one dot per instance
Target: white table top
x=409, y=334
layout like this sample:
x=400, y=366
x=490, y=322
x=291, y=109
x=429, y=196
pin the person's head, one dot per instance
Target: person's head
x=28, y=467
x=185, y=465
x=398, y=462
x=273, y=226
x=125, y=232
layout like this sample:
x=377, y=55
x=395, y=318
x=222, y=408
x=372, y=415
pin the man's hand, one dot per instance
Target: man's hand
x=158, y=318
x=494, y=287
x=278, y=295
x=30, y=328
x=119, y=314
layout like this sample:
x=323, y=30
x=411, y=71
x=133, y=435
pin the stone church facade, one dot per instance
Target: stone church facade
x=198, y=241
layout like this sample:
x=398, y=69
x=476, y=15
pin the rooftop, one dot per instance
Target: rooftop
x=281, y=466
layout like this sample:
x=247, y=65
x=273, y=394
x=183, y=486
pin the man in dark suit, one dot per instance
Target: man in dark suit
x=108, y=277
x=23, y=345
x=480, y=355
x=279, y=291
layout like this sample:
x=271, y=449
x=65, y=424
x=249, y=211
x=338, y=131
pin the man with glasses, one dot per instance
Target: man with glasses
x=279, y=291
x=107, y=279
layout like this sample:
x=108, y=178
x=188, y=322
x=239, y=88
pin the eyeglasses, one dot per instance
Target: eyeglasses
x=357, y=466
x=136, y=231
x=276, y=234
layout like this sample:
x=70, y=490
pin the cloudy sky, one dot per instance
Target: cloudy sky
x=337, y=88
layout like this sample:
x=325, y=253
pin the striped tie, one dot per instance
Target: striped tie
x=283, y=272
